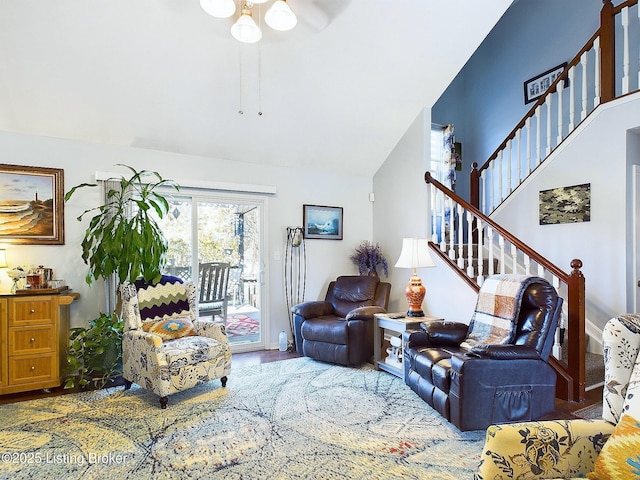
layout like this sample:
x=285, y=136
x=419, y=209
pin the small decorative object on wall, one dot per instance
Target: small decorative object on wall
x=565, y=205
x=457, y=155
x=536, y=86
x=322, y=222
x=31, y=205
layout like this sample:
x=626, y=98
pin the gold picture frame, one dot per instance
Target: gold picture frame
x=31, y=205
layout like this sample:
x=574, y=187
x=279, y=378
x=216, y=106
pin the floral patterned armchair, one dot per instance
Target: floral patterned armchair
x=608, y=448
x=165, y=347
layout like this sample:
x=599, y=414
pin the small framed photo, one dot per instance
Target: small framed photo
x=322, y=222
x=31, y=205
x=535, y=87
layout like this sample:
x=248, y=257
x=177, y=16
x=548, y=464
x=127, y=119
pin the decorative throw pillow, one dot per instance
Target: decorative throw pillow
x=620, y=456
x=167, y=298
x=497, y=310
x=170, y=328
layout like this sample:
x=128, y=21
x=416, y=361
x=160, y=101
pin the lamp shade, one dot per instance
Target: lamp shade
x=415, y=254
x=245, y=29
x=3, y=258
x=219, y=8
x=280, y=16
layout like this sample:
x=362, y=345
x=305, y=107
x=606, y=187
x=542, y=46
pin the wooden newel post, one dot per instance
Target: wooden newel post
x=576, y=344
x=607, y=52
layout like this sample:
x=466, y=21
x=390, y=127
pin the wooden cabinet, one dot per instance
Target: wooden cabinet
x=35, y=332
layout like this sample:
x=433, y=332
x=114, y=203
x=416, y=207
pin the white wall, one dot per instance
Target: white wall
x=295, y=187
x=596, y=153
x=401, y=210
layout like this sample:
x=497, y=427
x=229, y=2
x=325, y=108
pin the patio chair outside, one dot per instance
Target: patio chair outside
x=213, y=278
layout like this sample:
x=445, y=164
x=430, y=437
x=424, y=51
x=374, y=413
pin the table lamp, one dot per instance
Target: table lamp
x=415, y=254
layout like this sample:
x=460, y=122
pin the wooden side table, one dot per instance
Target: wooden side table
x=395, y=322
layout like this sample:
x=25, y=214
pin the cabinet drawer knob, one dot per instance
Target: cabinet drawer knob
x=33, y=368
x=32, y=340
x=32, y=311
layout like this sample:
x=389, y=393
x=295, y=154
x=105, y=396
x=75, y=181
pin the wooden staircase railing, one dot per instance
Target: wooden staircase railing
x=588, y=80
x=475, y=246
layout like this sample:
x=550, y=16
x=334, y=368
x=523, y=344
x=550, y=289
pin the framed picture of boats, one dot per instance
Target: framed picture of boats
x=31, y=205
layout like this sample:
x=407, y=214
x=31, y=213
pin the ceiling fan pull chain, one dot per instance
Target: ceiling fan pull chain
x=240, y=110
x=259, y=81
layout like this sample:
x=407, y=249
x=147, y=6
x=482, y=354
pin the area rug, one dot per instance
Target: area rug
x=592, y=412
x=292, y=419
x=240, y=325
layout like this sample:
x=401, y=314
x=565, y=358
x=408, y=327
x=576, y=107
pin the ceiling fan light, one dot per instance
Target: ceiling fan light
x=219, y=8
x=245, y=29
x=280, y=16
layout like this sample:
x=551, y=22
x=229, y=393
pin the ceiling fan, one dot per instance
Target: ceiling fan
x=279, y=16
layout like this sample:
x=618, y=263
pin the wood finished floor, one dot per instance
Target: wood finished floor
x=563, y=409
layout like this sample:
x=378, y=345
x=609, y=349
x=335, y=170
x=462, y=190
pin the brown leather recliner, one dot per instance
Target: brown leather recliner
x=340, y=328
x=474, y=384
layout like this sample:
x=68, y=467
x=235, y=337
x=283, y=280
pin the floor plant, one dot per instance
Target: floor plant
x=124, y=240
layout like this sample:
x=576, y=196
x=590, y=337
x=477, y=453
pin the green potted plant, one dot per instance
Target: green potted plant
x=94, y=355
x=125, y=240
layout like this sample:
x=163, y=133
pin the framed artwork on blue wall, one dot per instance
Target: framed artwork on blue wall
x=535, y=87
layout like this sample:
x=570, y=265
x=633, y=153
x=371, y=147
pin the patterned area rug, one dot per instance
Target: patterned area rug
x=240, y=324
x=293, y=419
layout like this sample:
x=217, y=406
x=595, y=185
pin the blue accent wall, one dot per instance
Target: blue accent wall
x=486, y=99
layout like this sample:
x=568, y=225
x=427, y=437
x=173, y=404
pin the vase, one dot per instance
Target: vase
x=373, y=272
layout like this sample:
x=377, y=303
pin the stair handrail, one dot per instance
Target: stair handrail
x=603, y=41
x=570, y=378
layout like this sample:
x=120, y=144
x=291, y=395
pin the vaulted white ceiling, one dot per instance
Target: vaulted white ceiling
x=336, y=93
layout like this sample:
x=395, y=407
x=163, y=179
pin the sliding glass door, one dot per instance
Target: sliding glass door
x=229, y=228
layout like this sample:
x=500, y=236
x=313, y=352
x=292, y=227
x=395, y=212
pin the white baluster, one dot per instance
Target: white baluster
x=503, y=259
x=490, y=245
x=597, y=67
x=460, y=213
x=538, y=137
x=560, y=119
x=557, y=346
x=514, y=259
x=480, y=277
x=548, y=103
x=528, y=127
x=500, y=177
x=452, y=229
x=572, y=99
x=492, y=179
x=625, y=50
x=509, y=169
x=585, y=75
x=434, y=214
x=443, y=225
x=540, y=271
x=483, y=178
x=527, y=264
x=470, y=272
x=519, y=154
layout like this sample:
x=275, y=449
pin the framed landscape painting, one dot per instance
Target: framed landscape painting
x=31, y=205
x=322, y=222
